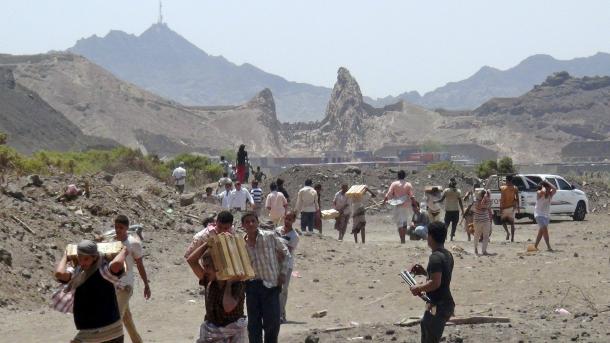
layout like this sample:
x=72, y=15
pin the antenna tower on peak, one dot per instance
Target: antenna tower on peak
x=160, y=21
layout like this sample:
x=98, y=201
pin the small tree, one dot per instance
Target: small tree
x=505, y=165
x=486, y=169
x=3, y=138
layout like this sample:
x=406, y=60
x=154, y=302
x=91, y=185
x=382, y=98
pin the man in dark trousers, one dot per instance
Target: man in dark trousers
x=438, y=273
x=270, y=261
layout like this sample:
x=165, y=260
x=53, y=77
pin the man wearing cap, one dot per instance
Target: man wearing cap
x=179, y=176
x=240, y=198
x=96, y=311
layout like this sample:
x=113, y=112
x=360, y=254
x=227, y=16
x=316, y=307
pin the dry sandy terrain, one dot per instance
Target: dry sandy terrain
x=359, y=286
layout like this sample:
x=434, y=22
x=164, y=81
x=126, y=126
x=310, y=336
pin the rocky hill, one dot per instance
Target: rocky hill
x=102, y=105
x=490, y=82
x=163, y=62
x=34, y=125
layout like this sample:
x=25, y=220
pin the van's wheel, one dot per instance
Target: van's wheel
x=580, y=212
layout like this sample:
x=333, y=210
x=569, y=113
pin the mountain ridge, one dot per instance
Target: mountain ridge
x=162, y=61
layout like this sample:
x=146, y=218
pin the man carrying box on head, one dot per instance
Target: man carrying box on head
x=224, y=320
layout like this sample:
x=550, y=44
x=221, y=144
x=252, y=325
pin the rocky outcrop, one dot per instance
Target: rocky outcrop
x=342, y=126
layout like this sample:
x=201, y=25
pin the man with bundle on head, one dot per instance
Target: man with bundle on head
x=222, y=224
x=92, y=282
x=437, y=286
x=509, y=204
x=224, y=320
x=402, y=198
x=270, y=259
x=124, y=289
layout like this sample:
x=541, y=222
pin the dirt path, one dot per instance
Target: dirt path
x=358, y=285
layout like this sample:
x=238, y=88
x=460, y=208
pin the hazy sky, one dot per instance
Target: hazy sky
x=389, y=46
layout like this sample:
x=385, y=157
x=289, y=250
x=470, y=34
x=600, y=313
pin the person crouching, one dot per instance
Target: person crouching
x=96, y=311
x=224, y=320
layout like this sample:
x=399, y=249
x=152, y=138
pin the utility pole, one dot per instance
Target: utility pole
x=160, y=21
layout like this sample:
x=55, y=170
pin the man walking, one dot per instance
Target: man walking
x=341, y=204
x=179, y=176
x=452, y=197
x=257, y=196
x=291, y=240
x=276, y=204
x=307, y=205
x=509, y=203
x=124, y=289
x=270, y=260
x=401, y=191
x=437, y=286
x=240, y=198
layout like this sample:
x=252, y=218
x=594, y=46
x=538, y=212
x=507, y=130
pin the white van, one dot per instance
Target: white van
x=568, y=201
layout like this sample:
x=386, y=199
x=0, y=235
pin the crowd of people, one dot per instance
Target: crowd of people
x=97, y=291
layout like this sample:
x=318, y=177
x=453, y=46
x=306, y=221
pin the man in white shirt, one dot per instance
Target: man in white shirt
x=225, y=196
x=276, y=204
x=240, y=197
x=179, y=176
x=124, y=288
x=307, y=204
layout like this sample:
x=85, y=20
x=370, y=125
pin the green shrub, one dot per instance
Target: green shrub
x=444, y=166
x=487, y=168
x=505, y=166
x=3, y=138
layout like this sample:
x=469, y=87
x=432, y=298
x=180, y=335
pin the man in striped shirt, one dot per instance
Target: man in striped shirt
x=270, y=258
x=257, y=195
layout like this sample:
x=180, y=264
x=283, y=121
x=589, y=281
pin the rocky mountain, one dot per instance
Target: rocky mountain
x=102, y=105
x=561, y=110
x=163, y=62
x=34, y=125
x=490, y=82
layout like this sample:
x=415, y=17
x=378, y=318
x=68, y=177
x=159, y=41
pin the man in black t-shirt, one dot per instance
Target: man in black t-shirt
x=440, y=266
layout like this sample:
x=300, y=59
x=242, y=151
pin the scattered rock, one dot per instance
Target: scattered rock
x=312, y=339
x=319, y=314
x=26, y=274
x=35, y=180
x=187, y=199
x=352, y=170
x=6, y=257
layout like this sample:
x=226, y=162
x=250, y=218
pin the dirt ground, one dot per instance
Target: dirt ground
x=360, y=288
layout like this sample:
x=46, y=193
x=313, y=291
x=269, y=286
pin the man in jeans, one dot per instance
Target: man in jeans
x=307, y=205
x=270, y=259
x=124, y=289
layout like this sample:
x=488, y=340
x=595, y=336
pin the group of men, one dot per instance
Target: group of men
x=265, y=296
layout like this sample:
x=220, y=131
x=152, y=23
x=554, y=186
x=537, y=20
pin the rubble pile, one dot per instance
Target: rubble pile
x=35, y=227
